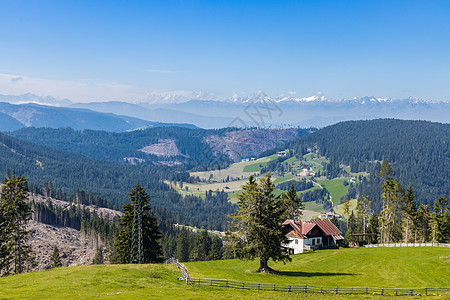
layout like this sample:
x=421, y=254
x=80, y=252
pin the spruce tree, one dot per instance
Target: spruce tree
x=256, y=231
x=441, y=219
x=15, y=213
x=182, y=251
x=423, y=222
x=409, y=215
x=55, y=258
x=293, y=204
x=151, y=248
x=98, y=258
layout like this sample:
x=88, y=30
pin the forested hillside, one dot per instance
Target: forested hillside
x=112, y=181
x=196, y=149
x=418, y=150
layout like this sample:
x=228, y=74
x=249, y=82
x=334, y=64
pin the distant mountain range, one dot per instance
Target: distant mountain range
x=13, y=117
x=260, y=111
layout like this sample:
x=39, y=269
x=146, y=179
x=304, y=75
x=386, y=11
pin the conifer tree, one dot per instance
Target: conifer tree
x=182, y=252
x=346, y=208
x=56, y=259
x=151, y=248
x=423, y=221
x=363, y=209
x=293, y=204
x=441, y=219
x=256, y=231
x=409, y=215
x=98, y=258
x=15, y=215
x=392, y=197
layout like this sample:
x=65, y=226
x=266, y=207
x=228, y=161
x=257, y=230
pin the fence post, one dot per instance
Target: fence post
x=321, y=288
x=274, y=286
x=243, y=285
x=426, y=292
x=382, y=291
x=367, y=290
x=258, y=285
x=411, y=293
x=437, y=291
x=337, y=289
x=289, y=289
x=306, y=288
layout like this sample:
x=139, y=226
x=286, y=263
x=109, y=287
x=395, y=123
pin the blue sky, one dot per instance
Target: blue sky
x=126, y=50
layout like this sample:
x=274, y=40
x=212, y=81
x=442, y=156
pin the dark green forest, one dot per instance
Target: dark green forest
x=112, y=181
x=418, y=151
x=114, y=147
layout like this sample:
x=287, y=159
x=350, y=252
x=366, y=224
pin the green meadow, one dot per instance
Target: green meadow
x=377, y=267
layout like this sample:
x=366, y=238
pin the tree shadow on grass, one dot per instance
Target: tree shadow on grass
x=311, y=274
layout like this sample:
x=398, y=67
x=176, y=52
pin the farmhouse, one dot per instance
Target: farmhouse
x=281, y=153
x=311, y=234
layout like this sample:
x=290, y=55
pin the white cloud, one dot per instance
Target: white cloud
x=160, y=71
x=83, y=90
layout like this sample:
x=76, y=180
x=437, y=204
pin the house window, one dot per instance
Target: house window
x=313, y=242
x=296, y=242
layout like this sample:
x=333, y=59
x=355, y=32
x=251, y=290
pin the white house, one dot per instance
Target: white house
x=310, y=234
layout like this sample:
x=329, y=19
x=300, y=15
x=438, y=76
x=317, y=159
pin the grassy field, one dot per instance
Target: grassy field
x=336, y=188
x=400, y=267
x=361, y=267
x=340, y=208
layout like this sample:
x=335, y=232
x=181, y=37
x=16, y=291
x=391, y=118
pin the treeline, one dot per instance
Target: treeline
x=301, y=185
x=418, y=151
x=400, y=218
x=110, y=146
x=98, y=230
x=67, y=172
x=187, y=245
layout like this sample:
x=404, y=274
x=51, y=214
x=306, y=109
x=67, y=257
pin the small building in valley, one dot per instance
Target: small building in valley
x=311, y=234
x=281, y=153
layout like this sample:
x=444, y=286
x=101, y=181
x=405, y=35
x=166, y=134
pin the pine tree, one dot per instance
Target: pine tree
x=182, y=252
x=202, y=247
x=346, y=208
x=373, y=228
x=441, y=220
x=293, y=205
x=55, y=258
x=98, y=258
x=363, y=209
x=15, y=253
x=151, y=248
x=392, y=197
x=423, y=221
x=256, y=231
x=409, y=214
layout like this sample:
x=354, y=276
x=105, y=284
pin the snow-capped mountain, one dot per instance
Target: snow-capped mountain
x=258, y=110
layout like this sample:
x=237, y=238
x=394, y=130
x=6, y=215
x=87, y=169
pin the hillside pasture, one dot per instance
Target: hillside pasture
x=376, y=267
x=383, y=267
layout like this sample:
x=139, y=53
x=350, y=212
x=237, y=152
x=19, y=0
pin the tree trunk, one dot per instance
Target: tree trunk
x=263, y=267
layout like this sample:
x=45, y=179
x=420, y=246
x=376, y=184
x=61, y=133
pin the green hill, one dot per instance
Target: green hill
x=418, y=151
x=395, y=267
x=383, y=267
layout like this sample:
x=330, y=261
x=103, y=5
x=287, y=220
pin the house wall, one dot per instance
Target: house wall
x=317, y=242
x=296, y=244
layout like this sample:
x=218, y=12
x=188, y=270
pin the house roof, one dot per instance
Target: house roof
x=327, y=227
x=301, y=229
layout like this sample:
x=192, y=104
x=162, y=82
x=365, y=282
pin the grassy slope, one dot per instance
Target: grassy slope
x=340, y=208
x=336, y=188
x=375, y=267
x=401, y=267
x=129, y=282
